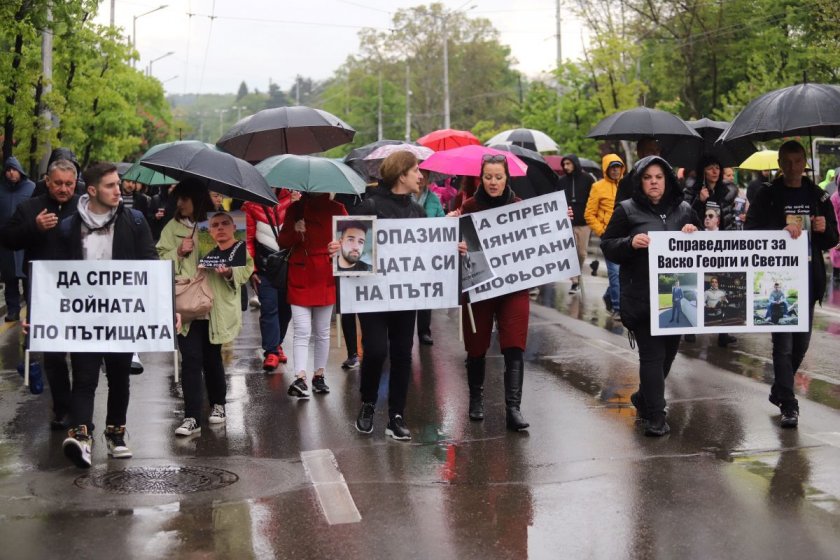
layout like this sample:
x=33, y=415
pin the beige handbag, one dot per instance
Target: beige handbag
x=193, y=296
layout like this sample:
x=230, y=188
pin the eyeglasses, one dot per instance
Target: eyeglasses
x=711, y=215
x=493, y=158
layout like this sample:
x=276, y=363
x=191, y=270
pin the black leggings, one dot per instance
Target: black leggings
x=387, y=333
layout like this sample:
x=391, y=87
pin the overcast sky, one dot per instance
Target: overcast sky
x=258, y=40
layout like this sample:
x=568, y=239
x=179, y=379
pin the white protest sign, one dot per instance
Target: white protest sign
x=101, y=306
x=528, y=244
x=728, y=282
x=417, y=268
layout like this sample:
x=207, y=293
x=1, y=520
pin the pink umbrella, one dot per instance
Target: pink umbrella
x=466, y=160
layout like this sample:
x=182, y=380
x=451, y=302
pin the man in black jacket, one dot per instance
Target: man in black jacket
x=34, y=228
x=794, y=203
x=102, y=229
x=59, y=154
x=577, y=185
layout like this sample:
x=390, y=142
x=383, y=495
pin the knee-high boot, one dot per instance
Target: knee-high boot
x=475, y=380
x=514, y=374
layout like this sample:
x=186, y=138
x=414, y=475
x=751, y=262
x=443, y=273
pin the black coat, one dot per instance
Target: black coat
x=382, y=203
x=20, y=232
x=577, y=186
x=724, y=195
x=767, y=212
x=132, y=236
x=637, y=215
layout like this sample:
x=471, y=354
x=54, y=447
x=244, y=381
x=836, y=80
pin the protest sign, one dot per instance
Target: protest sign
x=101, y=306
x=356, y=236
x=232, y=256
x=728, y=282
x=417, y=268
x=528, y=244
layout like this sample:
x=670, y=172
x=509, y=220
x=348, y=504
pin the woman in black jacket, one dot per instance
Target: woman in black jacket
x=656, y=205
x=388, y=332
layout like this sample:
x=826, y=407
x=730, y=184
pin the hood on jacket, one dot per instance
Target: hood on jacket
x=66, y=154
x=673, y=190
x=12, y=162
x=829, y=177
x=93, y=221
x=605, y=164
x=575, y=161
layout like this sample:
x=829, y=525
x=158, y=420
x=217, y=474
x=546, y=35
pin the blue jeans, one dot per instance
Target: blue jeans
x=275, y=315
x=613, y=289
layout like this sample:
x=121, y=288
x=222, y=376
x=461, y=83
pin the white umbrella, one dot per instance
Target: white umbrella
x=525, y=138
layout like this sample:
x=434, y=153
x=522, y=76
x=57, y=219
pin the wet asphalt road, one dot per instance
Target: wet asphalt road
x=583, y=483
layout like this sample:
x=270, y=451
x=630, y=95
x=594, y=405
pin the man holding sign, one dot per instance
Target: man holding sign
x=102, y=229
x=794, y=203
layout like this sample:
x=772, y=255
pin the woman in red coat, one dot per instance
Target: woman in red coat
x=310, y=290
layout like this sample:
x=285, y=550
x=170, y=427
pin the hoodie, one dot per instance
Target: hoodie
x=599, y=207
x=12, y=194
x=576, y=185
x=829, y=178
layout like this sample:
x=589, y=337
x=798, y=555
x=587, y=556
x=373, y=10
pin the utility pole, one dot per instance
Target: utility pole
x=559, y=35
x=407, y=102
x=112, y=12
x=297, y=89
x=46, y=70
x=445, y=73
x=379, y=134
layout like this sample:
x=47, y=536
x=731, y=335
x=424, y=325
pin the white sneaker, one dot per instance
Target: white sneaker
x=136, y=365
x=115, y=440
x=217, y=416
x=78, y=447
x=254, y=302
x=188, y=428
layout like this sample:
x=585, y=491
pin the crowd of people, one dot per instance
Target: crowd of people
x=96, y=216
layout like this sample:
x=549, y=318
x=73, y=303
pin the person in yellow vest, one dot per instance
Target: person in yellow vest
x=599, y=210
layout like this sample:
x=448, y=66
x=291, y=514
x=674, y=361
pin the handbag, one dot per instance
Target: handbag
x=193, y=296
x=274, y=265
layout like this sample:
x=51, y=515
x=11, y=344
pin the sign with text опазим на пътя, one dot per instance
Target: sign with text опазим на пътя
x=101, y=306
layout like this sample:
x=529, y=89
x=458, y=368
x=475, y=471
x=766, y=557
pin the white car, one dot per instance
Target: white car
x=688, y=305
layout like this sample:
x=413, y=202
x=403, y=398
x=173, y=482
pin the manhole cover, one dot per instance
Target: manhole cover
x=158, y=480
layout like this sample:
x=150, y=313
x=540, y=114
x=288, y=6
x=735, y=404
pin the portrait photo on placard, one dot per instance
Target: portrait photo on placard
x=775, y=301
x=724, y=299
x=356, y=236
x=677, y=300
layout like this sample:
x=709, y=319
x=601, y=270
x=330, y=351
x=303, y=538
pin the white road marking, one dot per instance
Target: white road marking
x=333, y=494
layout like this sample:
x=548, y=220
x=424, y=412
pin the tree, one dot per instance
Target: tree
x=243, y=91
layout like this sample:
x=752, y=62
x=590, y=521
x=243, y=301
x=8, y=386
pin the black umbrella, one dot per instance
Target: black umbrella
x=688, y=154
x=219, y=171
x=539, y=179
x=285, y=130
x=355, y=159
x=804, y=109
x=641, y=122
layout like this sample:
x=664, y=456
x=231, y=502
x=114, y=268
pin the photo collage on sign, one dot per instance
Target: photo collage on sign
x=712, y=299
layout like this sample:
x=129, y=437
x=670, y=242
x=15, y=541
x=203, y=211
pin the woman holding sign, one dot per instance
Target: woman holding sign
x=388, y=332
x=310, y=289
x=656, y=205
x=510, y=311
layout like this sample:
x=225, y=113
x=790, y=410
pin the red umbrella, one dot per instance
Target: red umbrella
x=466, y=160
x=447, y=139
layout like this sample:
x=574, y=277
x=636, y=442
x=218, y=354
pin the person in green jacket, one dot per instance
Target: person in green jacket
x=201, y=339
x=434, y=209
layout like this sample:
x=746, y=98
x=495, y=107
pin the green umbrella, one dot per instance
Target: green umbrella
x=311, y=174
x=150, y=177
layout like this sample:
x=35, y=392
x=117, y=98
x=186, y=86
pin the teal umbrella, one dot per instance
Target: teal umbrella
x=150, y=177
x=311, y=174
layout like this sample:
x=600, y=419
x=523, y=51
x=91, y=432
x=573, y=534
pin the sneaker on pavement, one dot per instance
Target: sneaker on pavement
x=299, y=388
x=790, y=416
x=656, y=426
x=364, y=422
x=426, y=339
x=607, y=302
x=254, y=302
x=573, y=289
x=217, y=415
x=594, y=266
x=351, y=362
x=271, y=362
x=397, y=429
x=115, y=440
x=78, y=447
x=188, y=427
x=136, y=365
x=281, y=355
x=319, y=385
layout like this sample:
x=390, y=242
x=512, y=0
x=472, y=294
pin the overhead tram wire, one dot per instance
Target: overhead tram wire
x=212, y=17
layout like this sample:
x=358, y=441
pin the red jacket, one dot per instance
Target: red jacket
x=257, y=226
x=310, y=281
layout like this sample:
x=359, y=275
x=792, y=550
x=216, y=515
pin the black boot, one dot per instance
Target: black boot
x=475, y=380
x=514, y=373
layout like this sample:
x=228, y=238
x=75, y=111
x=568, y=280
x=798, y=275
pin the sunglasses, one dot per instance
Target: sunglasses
x=711, y=215
x=493, y=158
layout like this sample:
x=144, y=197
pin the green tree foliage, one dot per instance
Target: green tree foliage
x=243, y=90
x=101, y=107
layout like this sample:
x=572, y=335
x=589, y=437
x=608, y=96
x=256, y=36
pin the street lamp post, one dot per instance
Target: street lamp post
x=134, y=28
x=151, y=62
x=444, y=17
